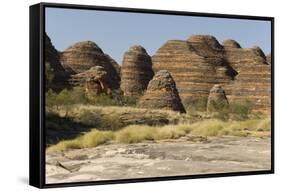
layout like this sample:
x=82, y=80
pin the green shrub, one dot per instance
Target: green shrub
x=129, y=100
x=49, y=72
x=77, y=95
x=198, y=104
x=239, y=110
x=101, y=100
x=89, y=118
x=218, y=105
x=111, y=122
x=51, y=98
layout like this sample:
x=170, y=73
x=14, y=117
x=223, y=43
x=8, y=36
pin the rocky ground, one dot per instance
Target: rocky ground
x=185, y=156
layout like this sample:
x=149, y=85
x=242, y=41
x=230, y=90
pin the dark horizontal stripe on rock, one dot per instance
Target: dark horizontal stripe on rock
x=249, y=80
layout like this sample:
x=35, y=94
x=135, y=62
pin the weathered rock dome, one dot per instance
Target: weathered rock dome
x=217, y=99
x=205, y=41
x=162, y=93
x=82, y=56
x=200, y=62
x=229, y=43
x=194, y=70
x=257, y=50
x=52, y=63
x=253, y=82
x=136, y=71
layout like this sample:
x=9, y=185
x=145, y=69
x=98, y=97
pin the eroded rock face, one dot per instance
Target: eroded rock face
x=217, y=99
x=136, y=71
x=95, y=80
x=253, y=82
x=83, y=55
x=229, y=43
x=201, y=62
x=196, y=65
x=56, y=75
x=162, y=93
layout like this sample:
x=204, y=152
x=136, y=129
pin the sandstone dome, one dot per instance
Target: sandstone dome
x=82, y=56
x=229, y=43
x=206, y=40
x=136, y=71
x=162, y=93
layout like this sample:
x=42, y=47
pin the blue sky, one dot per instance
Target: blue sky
x=115, y=32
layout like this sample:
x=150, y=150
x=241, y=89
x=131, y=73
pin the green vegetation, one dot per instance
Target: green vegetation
x=76, y=120
x=49, y=72
x=235, y=110
x=139, y=133
x=78, y=96
x=199, y=104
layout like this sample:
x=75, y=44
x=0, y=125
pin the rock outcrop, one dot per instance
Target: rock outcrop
x=229, y=43
x=217, y=99
x=162, y=93
x=196, y=65
x=253, y=82
x=136, y=71
x=83, y=55
x=93, y=80
x=201, y=62
x=56, y=75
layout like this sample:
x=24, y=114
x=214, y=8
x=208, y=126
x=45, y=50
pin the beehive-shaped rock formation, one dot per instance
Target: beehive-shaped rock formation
x=253, y=82
x=83, y=55
x=196, y=65
x=53, y=66
x=229, y=43
x=136, y=71
x=162, y=93
x=217, y=99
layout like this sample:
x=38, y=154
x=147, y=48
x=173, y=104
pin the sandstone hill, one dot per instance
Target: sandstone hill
x=162, y=93
x=253, y=81
x=136, y=71
x=201, y=61
x=195, y=65
x=81, y=56
x=56, y=76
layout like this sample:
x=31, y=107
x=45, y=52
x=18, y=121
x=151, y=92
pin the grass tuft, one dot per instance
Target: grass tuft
x=139, y=133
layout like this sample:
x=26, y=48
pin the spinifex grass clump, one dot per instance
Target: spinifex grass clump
x=139, y=133
x=91, y=139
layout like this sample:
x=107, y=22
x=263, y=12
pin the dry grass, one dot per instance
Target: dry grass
x=139, y=133
x=91, y=139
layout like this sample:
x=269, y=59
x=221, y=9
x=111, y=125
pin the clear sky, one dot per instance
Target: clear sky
x=115, y=32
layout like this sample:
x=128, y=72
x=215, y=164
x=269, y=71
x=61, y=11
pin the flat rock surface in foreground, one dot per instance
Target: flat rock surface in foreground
x=184, y=156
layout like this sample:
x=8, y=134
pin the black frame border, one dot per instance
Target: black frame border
x=37, y=98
